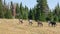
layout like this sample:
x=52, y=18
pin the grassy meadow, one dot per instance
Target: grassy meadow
x=12, y=26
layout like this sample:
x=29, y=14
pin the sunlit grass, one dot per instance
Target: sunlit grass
x=12, y=26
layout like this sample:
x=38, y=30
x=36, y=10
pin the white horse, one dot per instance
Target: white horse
x=30, y=22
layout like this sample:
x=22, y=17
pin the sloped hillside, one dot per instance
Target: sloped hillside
x=12, y=26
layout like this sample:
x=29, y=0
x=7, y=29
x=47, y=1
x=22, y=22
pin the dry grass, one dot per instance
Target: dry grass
x=11, y=26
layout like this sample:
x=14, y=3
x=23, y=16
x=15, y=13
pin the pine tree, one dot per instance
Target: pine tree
x=33, y=13
x=21, y=11
x=8, y=14
x=30, y=16
x=49, y=16
x=41, y=9
x=25, y=16
x=59, y=16
x=1, y=10
x=38, y=13
x=11, y=7
x=56, y=12
x=17, y=11
x=4, y=8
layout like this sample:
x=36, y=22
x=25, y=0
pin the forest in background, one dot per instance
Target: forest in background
x=40, y=12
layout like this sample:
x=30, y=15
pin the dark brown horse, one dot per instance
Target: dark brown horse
x=39, y=23
x=20, y=21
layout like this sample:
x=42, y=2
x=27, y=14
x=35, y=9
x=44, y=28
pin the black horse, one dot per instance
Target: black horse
x=52, y=23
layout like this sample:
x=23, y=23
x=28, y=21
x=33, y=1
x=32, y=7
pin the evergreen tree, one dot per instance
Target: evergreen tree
x=26, y=12
x=49, y=16
x=41, y=10
x=21, y=11
x=33, y=13
x=30, y=14
x=11, y=7
x=1, y=10
x=17, y=11
x=4, y=8
x=56, y=12
x=8, y=14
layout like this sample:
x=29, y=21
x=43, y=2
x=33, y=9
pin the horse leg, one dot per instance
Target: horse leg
x=41, y=24
x=38, y=24
x=30, y=23
x=49, y=24
x=54, y=25
x=21, y=22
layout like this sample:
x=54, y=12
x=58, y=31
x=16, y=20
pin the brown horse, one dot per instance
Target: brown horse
x=40, y=23
x=20, y=21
